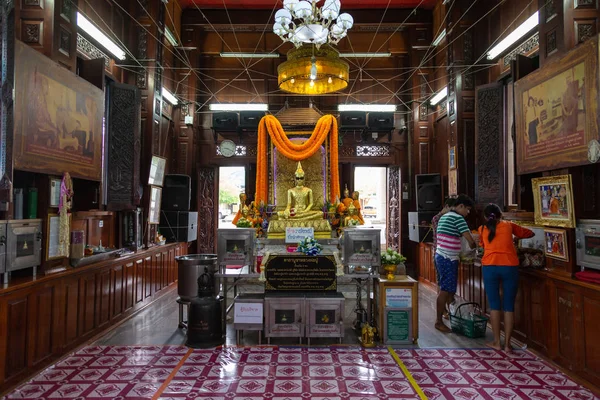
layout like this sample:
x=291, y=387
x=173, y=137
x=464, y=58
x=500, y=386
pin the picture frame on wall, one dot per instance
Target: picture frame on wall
x=553, y=201
x=452, y=157
x=555, y=244
x=155, y=201
x=157, y=171
x=556, y=111
x=55, y=191
x=53, y=237
x=453, y=182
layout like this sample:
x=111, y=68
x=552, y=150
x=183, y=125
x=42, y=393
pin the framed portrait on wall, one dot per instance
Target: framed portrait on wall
x=553, y=201
x=155, y=200
x=452, y=157
x=55, y=191
x=157, y=171
x=556, y=111
x=555, y=244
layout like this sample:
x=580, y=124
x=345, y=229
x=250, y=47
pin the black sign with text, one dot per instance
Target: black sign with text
x=298, y=272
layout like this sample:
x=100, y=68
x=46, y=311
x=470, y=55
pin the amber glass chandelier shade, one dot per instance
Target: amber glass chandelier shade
x=294, y=75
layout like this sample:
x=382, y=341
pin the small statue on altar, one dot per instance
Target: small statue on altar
x=368, y=336
x=300, y=201
x=245, y=221
x=356, y=203
x=352, y=216
x=239, y=212
x=343, y=205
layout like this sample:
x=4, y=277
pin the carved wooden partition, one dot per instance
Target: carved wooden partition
x=7, y=76
x=42, y=319
x=489, y=147
x=394, y=201
x=123, y=155
x=207, y=206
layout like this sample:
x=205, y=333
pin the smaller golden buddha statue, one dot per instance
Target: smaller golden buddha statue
x=246, y=221
x=241, y=206
x=356, y=203
x=346, y=200
x=352, y=217
x=300, y=201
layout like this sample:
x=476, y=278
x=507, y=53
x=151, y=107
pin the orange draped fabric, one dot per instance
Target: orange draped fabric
x=326, y=126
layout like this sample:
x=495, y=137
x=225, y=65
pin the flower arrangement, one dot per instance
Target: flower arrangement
x=353, y=222
x=309, y=246
x=392, y=257
x=244, y=223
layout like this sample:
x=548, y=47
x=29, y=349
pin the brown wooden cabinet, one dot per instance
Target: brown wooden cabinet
x=43, y=318
x=427, y=272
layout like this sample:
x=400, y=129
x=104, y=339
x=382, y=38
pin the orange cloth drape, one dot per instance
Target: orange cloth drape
x=326, y=126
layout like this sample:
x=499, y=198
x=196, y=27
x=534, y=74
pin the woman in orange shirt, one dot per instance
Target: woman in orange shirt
x=500, y=265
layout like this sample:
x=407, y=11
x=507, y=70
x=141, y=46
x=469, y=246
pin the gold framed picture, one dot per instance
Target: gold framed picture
x=553, y=201
x=53, y=248
x=555, y=244
x=155, y=200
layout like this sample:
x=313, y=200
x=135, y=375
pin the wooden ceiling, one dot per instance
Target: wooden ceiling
x=269, y=4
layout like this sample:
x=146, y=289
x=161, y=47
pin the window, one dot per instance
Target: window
x=232, y=182
x=370, y=182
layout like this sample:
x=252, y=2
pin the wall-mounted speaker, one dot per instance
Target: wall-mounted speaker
x=225, y=121
x=353, y=120
x=381, y=121
x=179, y=226
x=250, y=119
x=429, y=192
x=177, y=193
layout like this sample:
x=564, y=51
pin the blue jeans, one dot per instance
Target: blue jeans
x=447, y=273
x=509, y=276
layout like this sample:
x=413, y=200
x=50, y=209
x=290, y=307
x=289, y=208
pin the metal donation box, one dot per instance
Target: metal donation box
x=362, y=249
x=325, y=315
x=236, y=247
x=284, y=315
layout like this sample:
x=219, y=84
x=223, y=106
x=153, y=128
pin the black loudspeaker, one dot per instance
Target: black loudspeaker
x=177, y=193
x=353, y=120
x=225, y=121
x=250, y=119
x=419, y=226
x=179, y=226
x=429, y=192
x=381, y=121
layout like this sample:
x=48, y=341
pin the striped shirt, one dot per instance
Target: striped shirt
x=449, y=231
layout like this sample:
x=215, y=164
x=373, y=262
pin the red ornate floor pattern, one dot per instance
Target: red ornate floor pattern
x=297, y=373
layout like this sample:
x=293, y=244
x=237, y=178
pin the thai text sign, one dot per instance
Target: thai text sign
x=297, y=234
x=299, y=272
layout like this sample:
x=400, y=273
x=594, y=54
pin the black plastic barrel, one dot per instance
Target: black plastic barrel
x=190, y=267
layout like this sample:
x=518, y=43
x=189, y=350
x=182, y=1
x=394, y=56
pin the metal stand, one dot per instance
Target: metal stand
x=183, y=324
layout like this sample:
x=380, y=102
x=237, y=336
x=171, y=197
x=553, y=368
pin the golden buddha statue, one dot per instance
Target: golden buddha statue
x=352, y=217
x=357, y=206
x=300, y=201
x=239, y=212
x=343, y=205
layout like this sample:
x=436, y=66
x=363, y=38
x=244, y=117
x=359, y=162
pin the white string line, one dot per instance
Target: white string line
x=351, y=71
x=376, y=31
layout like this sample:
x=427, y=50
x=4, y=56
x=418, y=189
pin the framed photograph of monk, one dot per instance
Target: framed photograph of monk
x=556, y=112
x=58, y=118
x=555, y=244
x=553, y=201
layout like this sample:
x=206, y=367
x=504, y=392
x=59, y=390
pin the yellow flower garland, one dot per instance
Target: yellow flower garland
x=326, y=126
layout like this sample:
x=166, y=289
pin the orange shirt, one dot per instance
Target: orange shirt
x=501, y=250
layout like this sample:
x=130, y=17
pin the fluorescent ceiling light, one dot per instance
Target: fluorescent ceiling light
x=515, y=35
x=100, y=37
x=438, y=39
x=250, y=55
x=170, y=37
x=168, y=96
x=366, y=55
x=238, y=107
x=367, y=107
x=439, y=96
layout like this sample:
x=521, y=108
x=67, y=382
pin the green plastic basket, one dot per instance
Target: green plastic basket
x=472, y=328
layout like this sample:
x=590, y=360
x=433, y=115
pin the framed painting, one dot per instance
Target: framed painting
x=553, y=201
x=157, y=171
x=58, y=118
x=155, y=200
x=452, y=157
x=556, y=112
x=555, y=244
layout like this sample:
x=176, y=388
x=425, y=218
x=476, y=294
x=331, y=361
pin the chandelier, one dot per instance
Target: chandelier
x=303, y=21
x=313, y=71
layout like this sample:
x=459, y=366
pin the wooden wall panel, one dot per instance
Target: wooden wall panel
x=16, y=338
x=71, y=326
x=591, y=333
x=129, y=287
x=87, y=303
x=149, y=276
x=42, y=316
x=139, y=281
x=102, y=297
x=116, y=291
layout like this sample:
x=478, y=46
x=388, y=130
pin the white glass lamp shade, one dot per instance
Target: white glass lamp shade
x=283, y=17
x=345, y=21
x=278, y=29
x=302, y=10
x=290, y=4
x=331, y=9
x=338, y=32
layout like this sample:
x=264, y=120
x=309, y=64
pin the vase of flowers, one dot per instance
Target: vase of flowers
x=309, y=246
x=391, y=260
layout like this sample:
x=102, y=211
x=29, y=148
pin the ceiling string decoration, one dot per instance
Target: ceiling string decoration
x=316, y=68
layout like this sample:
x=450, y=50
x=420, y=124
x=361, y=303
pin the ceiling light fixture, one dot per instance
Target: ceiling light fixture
x=250, y=55
x=303, y=21
x=367, y=107
x=89, y=28
x=238, y=107
x=438, y=39
x=168, y=96
x=515, y=35
x=439, y=96
x=365, y=55
x=170, y=37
